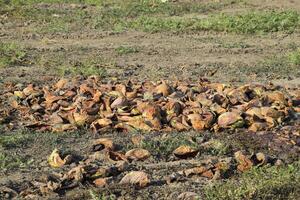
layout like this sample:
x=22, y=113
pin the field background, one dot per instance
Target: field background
x=230, y=41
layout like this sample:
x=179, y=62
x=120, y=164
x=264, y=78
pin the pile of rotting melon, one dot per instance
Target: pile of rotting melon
x=150, y=106
x=146, y=106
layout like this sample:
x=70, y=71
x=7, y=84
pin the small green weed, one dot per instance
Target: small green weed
x=240, y=45
x=55, y=26
x=217, y=148
x=11, y=54
x=9, y=161
x=98, y=196
x=294, y=57
x=85, y=69
x=156, y=24
x=122, y=50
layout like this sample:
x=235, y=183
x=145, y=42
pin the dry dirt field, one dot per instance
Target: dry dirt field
x=229, y=42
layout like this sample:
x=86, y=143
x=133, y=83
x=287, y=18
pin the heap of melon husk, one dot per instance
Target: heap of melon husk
x=151, y=106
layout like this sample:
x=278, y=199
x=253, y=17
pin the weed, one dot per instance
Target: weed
x=108, y=18
x=156, y=24
x=11, y=161
x=259, y=183
x=240, y=45
x=87, y=68
x=122, y=50
x=22, y=137
x=55, y=26
x=243, y=23
x=15, y=140
x=164, y=147
x=33, y=2
x=218, y=148
x=254, y=22
x=269, y=65
x=97, y=196
x=54, y=140
x=11, y=54
x=294, y=57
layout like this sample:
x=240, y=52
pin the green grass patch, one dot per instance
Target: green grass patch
x=32, y=2
x=246, y=23
x=149, y=16
x=266, y=183
x=157, y=24
x=61, y=64
x=11, y=54
x=252, y=22
x=55, y=26
x=133, y=8
x=217, y=147
x=16, y=147
x=122, y=50
x=87, y=68
x=41, y=21
x=281, y=65
x=107, y=15
x=19, y=139
x=277, y=66
x=294, y=57
x=12, y=161
x=130, y=14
